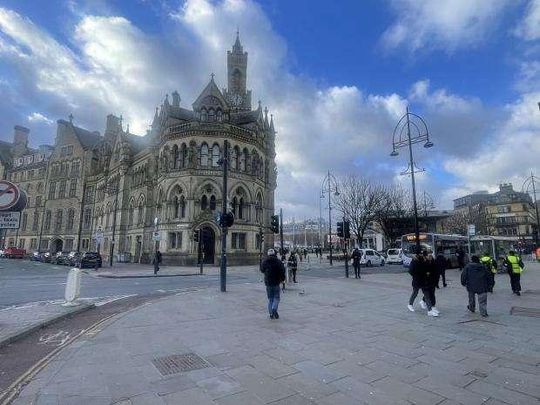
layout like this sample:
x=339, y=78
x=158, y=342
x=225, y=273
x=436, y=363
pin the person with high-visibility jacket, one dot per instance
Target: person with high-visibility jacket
x=491, y=265
x=514, y=265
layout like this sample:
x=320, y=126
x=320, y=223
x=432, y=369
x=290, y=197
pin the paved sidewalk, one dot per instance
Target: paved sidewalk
x=135, y=270
x=338, y=342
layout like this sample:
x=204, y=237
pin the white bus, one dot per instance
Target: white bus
x=448, y=245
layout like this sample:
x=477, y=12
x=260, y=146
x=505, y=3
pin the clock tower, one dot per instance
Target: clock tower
x=236, y=94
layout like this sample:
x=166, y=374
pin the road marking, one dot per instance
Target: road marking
x=112, y=299
x=55, y=339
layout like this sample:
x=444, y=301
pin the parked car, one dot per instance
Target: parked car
x=61, y=258
x=394, y=256
x=2, y=253
x=89, y=259
x=371, y=258
x=44, y=257
x=74, y=258
x=14, y=253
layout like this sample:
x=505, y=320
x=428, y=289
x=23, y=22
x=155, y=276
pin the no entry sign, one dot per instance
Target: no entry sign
x=9, y=195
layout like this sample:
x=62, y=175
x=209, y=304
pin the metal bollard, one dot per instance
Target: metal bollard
x=73, y=288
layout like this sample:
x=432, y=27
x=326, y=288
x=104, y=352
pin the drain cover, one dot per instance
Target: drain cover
x=522, y=311
x=178, y=363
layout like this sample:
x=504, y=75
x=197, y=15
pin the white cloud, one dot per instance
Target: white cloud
x=39, y=118
x=442, y=24
x=529, y=27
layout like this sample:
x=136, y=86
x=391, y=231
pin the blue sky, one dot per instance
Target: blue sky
x=336, y=77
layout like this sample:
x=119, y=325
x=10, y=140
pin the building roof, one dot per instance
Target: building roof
x=88, y=139
x=5, y=151
x=181, y=113
x=137, y=143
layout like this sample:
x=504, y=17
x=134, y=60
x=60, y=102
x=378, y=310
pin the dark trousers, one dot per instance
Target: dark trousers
x=492, y=281
x=356, y=270
x=515, y=281
x=156, y=268
x=429, y=297
x=482, y=302
x=272, y=292
x=294, y=274
x=415, y=290
x=442, y=274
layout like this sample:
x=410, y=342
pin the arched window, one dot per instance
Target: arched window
x=204, y=154
x=58, y=220
x=131, y=213
x=183, y=155
x=47, y=224
x=219, y=115
x=215, y=155
x=211, y=115
x=234, y=158
x=29, y=189
x=40, y=188
x=182, y=207
x=245, y=159
x=204, y=115
x=176, y=207
x=242, y=165
x=175, y=157
x=204, y=202
x=140, y=211
x=234, y=206
x=212, y=202
x=241, y=208
x=70, y=219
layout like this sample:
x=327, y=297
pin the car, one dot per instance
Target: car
x=371, y=258
x=61, y=258
x=14, y=253
x=394, y=256
x=89, y=259
x=74, y=258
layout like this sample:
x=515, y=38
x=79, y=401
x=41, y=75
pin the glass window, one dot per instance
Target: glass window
x=204, y=202
x=62, y=189
x=204, y=155
x=47, y=224
x=73, y=188
x=52, y=190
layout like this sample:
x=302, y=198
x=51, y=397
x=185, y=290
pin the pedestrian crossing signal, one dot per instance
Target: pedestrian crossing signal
x=340, y=229
x=347, y=229
x=275, y=223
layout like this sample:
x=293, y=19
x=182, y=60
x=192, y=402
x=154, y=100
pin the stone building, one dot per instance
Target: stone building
x=128, y=193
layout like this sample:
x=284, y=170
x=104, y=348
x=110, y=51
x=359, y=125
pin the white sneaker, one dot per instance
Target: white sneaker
x=436, y=310
x=432, y=313
x=411, y=308
x=423, y=305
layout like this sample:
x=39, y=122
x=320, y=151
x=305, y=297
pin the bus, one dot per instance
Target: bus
x=436, y=243
x=499, y=246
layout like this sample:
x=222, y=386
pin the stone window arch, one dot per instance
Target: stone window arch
x=212, y=202
x=70, y=219
x=141, y=210
x=219, y=115
x=131, y=212
x=204, y=155
x=234, y=158
x=183, y=155
x=245, y=158
x=204, y=202
x=211, y=114
x=204, y=114
x=175, y=157
x=216, y=154
x=242, y=160
x=58, y=220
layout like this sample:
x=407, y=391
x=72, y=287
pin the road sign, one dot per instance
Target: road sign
x=10, y=219
x=471, y=230
x=9, y=195
x=156, y=236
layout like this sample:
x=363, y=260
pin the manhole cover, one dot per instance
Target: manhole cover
x=522, y=311
x=178, y=363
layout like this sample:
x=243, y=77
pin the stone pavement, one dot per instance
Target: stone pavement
x=337, y=342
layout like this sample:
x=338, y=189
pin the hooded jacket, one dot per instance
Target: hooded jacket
x=477, y=278
x=274, y=271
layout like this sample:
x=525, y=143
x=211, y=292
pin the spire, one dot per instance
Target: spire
x=71, y=118
x=237, y=47
x=272, y=123
x=127, y=129
x=266, y=117
x=260, y=106
x=175, y=99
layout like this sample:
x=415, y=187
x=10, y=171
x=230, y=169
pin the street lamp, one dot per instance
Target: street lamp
x=402, y=138
x=528, y=186
x=329, y=183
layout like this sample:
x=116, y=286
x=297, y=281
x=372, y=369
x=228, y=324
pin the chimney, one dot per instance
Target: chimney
x=20, y=136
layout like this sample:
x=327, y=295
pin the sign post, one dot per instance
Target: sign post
x=471, y=231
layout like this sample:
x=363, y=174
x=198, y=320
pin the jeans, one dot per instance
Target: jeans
x=413, y=295
x=429, y=297
x=356, y=270
x=482, y=302
x=272, y=292
x=442, y=274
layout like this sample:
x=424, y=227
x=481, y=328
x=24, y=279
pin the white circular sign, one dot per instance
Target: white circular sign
x=9, y=194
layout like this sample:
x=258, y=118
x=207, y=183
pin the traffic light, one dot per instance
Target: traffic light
x=196, y=235
x=347, y=229
x=274, y=224
x=226, y=220
x=340, y=229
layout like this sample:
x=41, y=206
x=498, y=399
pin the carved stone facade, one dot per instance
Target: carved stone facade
x=172, y=176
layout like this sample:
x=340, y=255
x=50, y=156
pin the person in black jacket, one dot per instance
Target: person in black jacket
x=274, y=274
x=441, y=264
x=477, y=278
x=156, y=261
x=430, y=280
x=415, y=270
x=293, y=265
x=356, y=257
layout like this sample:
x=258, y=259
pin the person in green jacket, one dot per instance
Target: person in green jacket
x=514, y=265
x=491, y=265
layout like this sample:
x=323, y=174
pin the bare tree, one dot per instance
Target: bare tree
x=459, y=220
x=395, y=213
x=359, y=201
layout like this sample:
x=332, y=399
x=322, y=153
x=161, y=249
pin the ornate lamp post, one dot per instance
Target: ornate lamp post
x=401, y=138
x=529, y=187
x=329, y=186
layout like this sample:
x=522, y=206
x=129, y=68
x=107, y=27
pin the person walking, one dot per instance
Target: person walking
x=461, y=258
x=441, y=263
x=491, y=265
x=292, y=263
x=417, y=272
x=274, y=274
x=156, y=261
x=430, y=280
x=514, y=265
x=477, y=278
x=356, y=256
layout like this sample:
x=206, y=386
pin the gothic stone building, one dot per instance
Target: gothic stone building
x=139, y=191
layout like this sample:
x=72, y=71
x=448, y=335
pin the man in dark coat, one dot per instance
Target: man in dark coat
x=441, y=264
x=274, y=274
x=293, y=265
x=356, y=257
x=461, y=258
x=156, y=261
x=419, y=270
x=430, y=280
x=477, y=278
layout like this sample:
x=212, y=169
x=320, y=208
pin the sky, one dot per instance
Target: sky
x=337, y=78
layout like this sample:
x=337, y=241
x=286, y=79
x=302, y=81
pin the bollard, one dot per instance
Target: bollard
x=73, y=288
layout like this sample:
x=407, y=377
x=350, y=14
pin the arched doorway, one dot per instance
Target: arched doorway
x=57, y=245
x=208, y=244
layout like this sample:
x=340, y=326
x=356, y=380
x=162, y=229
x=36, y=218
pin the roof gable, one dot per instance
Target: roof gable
x=211, y=96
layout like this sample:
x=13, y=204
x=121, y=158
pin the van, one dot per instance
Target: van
x=394, y=256
x=371, y=258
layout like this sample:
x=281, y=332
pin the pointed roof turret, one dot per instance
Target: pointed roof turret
x=266, y=117
x=209, y=94
x=237, y=47
x=272, y=123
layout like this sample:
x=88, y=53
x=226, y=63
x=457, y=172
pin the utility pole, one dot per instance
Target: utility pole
x=223, y=264
x=346, y=246
x=330, y=218
x=281, y=231
x=200, y=251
